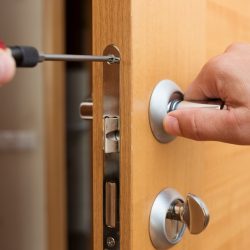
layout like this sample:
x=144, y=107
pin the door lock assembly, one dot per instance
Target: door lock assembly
x=171, y=215
x=111, y=146
x=166, y=97
x=26, y=56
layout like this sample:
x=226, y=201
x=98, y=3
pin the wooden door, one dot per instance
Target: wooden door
x=169, y=39
x=54, y=126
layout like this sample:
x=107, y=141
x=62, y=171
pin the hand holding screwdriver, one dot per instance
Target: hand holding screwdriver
x=7, y=65
x=27, y=56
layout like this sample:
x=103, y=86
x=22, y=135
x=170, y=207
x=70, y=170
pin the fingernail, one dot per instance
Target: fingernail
x=2, y=45
x=171, y=125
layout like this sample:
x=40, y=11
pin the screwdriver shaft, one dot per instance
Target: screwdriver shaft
x=27, y=56
x=78, y=58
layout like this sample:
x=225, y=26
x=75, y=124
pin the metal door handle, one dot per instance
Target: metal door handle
x=179, y=104
x=170, y=215
x=167, y=97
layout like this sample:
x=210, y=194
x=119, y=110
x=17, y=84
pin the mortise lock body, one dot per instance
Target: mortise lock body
x=110, y=144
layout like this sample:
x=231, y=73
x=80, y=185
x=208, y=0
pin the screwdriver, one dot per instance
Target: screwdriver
x=28, y=56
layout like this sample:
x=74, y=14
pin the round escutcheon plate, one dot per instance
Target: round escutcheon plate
x=164, y=233
x=164, y=92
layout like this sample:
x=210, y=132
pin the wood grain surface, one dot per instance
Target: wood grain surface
x=111, y=25
x=170, y=40
x=54, y=123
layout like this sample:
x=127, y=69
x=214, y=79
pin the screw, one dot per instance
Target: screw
x=110, y=242
x=113, y=59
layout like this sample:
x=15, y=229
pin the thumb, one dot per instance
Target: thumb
x=203, y=124
x=7, y=67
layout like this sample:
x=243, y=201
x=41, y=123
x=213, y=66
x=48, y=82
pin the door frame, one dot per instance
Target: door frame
x=54, y=125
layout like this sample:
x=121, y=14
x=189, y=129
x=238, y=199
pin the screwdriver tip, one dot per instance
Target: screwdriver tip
x=113, y=59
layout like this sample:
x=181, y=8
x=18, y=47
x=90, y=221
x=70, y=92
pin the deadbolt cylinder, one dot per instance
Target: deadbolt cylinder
x=165, y=232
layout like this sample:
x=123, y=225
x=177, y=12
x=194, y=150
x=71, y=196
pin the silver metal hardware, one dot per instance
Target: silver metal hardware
x=177, y=104
x=86, y=110
x=160, y=98
x=193, y=213
x=167, y=97
x=111, y=129
x=170, y=215
x=78, y=58
x=111, y=135
x=110, y=242
x=111, y=138
x=111, y=155
x=110, y=204
x=165, y=232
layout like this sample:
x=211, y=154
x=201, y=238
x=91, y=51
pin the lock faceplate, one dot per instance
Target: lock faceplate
x=111, y=145
x=111, y=155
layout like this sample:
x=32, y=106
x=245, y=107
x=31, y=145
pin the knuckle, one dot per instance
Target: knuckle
x=190, y=126
x=196, y=129
x=219, y=67
x=237, y=46
x=233, y=46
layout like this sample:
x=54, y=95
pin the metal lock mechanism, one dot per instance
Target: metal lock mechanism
x=111, y=145
x=167, y=97
x=170, y=215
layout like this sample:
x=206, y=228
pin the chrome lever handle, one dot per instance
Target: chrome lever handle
x=193, y=213
x=179, y=104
